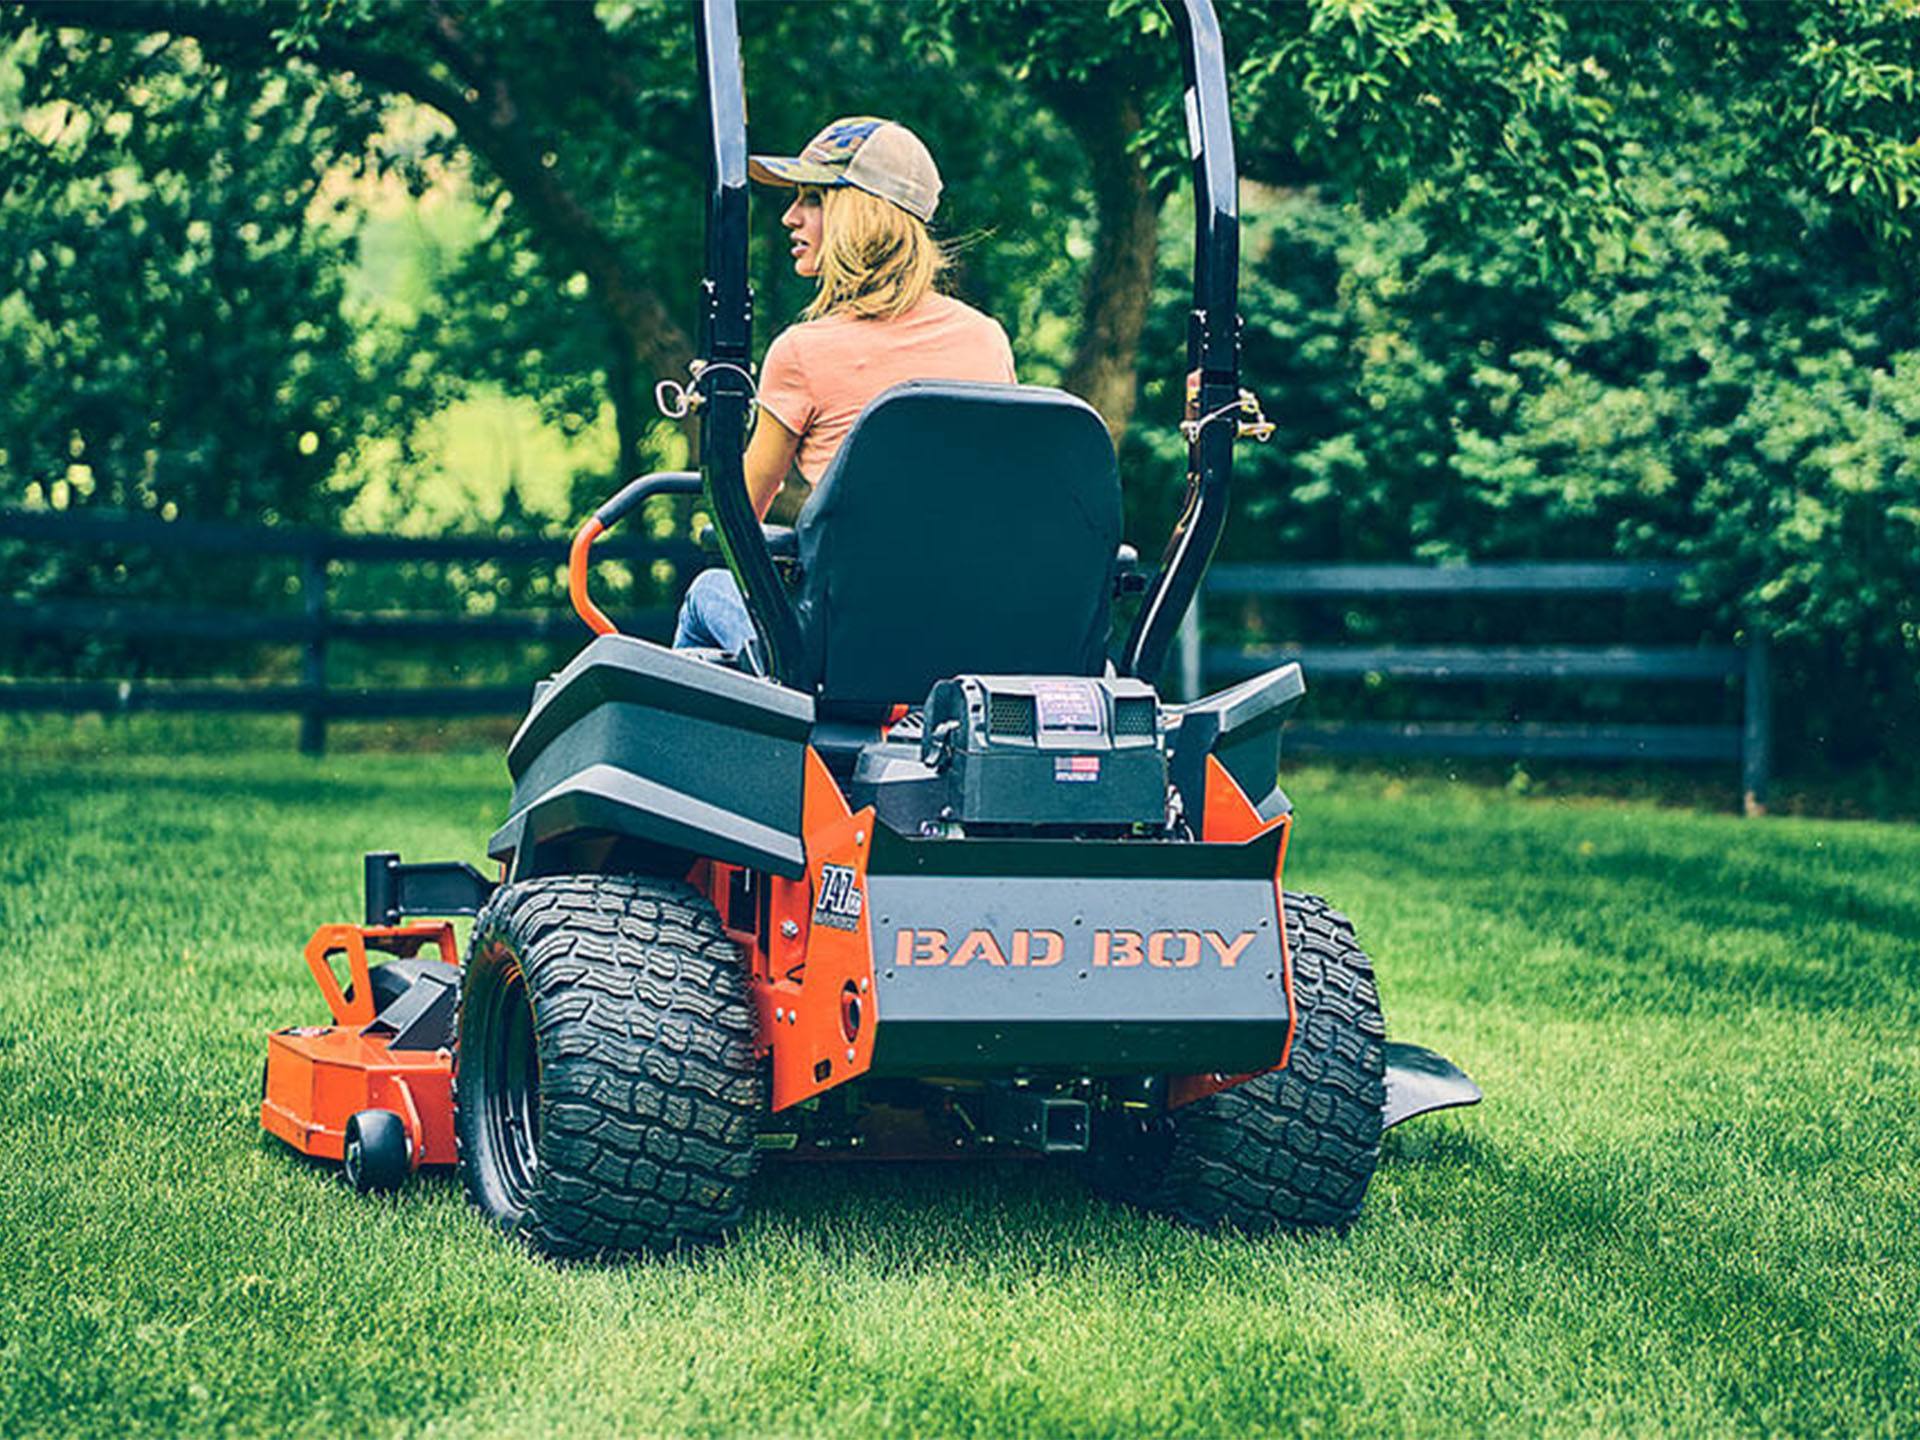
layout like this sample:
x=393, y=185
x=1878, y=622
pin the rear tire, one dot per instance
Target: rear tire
x=607, y=1096
x=1293, y=1148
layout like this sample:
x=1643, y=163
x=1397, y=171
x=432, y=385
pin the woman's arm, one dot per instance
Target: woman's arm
x=769, y=456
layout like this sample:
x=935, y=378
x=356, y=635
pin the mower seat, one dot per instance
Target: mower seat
x=961, y=529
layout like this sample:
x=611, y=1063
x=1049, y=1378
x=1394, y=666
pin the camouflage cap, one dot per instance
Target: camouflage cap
x=866, y=152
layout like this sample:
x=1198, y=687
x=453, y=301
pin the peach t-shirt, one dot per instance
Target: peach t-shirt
x=819, y=375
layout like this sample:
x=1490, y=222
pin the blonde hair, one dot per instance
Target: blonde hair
x=876, y=260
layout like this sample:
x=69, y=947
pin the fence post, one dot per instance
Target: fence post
x=1756, y=733
x=313, y=669
x=1187, y=643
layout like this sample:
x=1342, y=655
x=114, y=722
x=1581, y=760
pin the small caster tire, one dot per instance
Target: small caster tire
x=375, y=1157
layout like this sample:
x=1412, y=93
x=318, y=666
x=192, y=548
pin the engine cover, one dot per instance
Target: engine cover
x=1021, y=753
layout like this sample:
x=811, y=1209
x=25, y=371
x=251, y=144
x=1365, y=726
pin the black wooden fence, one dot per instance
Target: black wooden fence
x=317, y=623
x=317, y=700
x=1749, y=744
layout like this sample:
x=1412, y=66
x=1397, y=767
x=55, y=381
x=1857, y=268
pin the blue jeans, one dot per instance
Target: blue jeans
x=713, y=616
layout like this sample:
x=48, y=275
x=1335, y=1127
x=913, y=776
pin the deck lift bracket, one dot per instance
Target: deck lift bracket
x=434, y=887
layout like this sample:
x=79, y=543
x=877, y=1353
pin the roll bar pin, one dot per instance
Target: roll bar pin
x=1253, y=423
x=677, y=401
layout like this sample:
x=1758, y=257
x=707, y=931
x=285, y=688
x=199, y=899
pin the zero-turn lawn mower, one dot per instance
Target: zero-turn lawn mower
x=920, y=870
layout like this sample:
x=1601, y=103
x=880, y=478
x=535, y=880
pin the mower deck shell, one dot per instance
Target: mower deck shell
x=320, y=1076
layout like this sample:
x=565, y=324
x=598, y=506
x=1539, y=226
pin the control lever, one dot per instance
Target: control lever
x=936, y=747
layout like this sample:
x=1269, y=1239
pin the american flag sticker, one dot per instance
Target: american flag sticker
x=1076, y=769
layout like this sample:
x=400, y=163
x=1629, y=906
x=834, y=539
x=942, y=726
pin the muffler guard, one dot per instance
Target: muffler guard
x=1126, y=957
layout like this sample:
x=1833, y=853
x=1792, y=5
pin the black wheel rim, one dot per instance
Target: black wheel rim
x=513, y=1096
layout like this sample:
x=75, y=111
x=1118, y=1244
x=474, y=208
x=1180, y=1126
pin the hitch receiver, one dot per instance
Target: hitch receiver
x=1052, y=1124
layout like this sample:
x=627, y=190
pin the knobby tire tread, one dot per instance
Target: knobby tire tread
x=650, y=1093
x=1293, y=1148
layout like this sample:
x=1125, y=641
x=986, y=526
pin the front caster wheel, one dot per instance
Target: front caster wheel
x=376, y=1156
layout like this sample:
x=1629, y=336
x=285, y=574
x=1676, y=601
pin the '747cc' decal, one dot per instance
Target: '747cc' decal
x=840, y=902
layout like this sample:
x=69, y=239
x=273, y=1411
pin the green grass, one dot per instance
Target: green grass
x=1689, y=1204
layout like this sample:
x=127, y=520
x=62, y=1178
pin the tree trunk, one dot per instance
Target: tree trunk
x=1103, y=115
x=630, y=396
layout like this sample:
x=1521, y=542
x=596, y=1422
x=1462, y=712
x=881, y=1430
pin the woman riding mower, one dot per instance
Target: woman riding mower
x=866, y=190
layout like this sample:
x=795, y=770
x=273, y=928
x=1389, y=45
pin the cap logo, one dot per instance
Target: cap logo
x=839, y=142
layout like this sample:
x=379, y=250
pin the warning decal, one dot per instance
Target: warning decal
x=1076, y=769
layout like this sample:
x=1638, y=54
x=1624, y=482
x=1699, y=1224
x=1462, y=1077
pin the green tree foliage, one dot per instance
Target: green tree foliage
x=173, y=331
x=1496, y=105
x=172, y=341
x=587, y=126
x=1728, y=374
x=1522, y=279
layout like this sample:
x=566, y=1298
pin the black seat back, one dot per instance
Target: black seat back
x=961, y=529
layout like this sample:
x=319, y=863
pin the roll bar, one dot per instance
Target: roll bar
x=1213, y=343
x=726, y=344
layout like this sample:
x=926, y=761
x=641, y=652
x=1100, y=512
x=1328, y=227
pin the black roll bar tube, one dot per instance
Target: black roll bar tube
x=1213, y=341
x=726, y=344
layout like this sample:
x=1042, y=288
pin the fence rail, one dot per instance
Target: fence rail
x=1499, y=577
x=1750, y=743
x=315, y=624
x=68, y=528
x=59, y=616
x=312, y=627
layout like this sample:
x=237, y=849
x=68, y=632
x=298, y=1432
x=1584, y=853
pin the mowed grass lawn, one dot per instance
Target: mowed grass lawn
x=1690, y=1203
